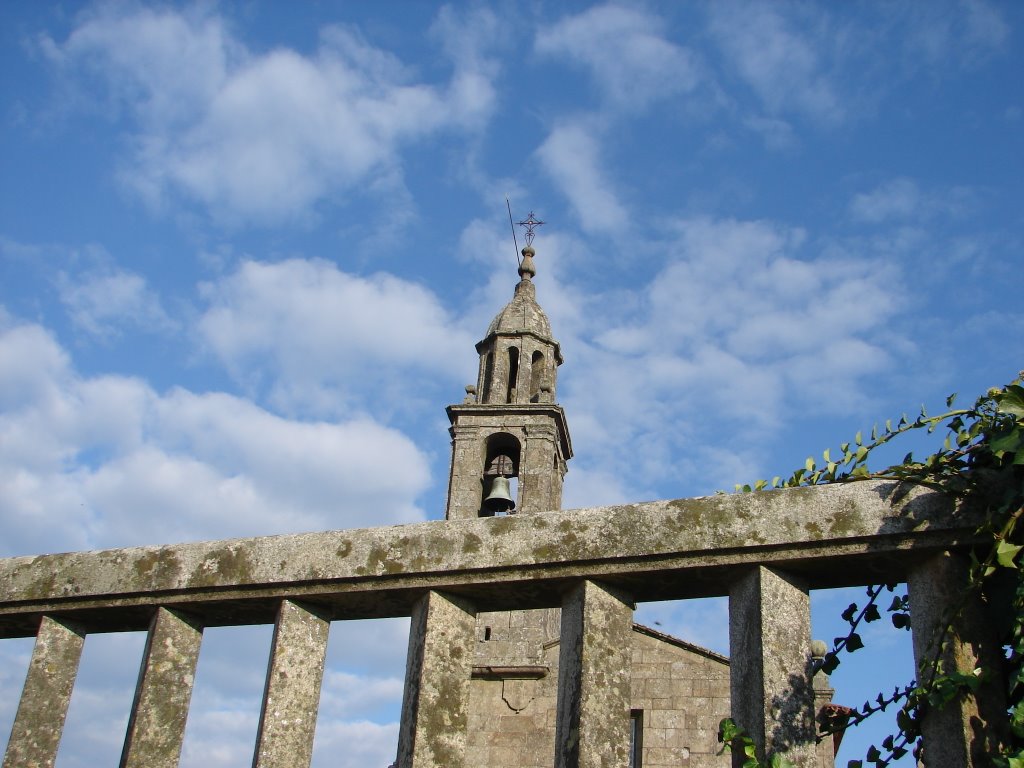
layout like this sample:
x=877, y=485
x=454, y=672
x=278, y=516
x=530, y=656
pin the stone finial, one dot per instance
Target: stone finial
x=818, y=649
x=527, y=270
x=470, y=394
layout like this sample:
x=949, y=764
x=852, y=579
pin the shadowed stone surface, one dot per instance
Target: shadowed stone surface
x=292, y=695
x=156, y=728
x=437, y=675
x=46, y=695
x=592, y=729
x=953, y=736
x=770, y=661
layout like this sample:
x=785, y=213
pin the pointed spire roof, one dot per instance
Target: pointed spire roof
x=523, y=314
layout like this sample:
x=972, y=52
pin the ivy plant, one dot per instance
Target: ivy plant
x=980, y=463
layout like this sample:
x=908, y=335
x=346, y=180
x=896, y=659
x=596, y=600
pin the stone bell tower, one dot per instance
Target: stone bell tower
x=510, y=445
x=509, y=438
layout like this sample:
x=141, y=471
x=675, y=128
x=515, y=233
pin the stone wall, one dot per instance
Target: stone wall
x=683, y=692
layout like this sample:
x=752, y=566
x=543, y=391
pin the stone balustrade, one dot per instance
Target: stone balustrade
x=764, y=550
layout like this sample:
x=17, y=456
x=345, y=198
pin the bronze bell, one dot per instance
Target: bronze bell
x=500, y=499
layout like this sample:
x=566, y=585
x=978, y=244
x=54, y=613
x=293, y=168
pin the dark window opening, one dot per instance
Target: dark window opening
x=636, y=738
x=536, y=376
x=488, y=375
x=513, y=374
x=487, y=633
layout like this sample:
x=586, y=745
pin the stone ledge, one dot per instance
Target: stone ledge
x=851, y=533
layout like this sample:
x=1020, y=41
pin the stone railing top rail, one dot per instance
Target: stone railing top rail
x=833, y=535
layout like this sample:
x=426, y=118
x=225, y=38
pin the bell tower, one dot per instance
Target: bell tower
x=510, y=440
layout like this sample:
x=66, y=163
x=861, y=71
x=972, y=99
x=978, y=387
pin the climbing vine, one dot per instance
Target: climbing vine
x=981, y=465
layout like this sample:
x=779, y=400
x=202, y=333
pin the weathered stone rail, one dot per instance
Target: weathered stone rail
x=764, y=550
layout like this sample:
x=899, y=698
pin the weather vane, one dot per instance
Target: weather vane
x=530, y=223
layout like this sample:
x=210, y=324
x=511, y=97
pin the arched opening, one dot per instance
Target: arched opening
x=536, y=375
x=488, y=376
x=500, y=477
x=513, y=374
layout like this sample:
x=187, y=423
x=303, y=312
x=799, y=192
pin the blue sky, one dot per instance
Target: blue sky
x=246, y=250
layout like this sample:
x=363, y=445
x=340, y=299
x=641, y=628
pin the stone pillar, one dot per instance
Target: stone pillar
x=540, y=478
x=156, y=728
x=465, y=489
x=770, y=664
x=291, y=698
x=953, y=735
x=46, y=695
x=592, y=726
x=437, y=677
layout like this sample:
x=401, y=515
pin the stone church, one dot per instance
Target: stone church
x=510, y=448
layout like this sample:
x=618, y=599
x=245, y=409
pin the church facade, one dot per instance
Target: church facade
x=510, y=453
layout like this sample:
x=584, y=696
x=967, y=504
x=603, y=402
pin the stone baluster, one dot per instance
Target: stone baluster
x=442, y=638
x=592, y=725
x=44, y=699
x=771, y=669
x=291, y=698
x=156, y=727
x=951, y=735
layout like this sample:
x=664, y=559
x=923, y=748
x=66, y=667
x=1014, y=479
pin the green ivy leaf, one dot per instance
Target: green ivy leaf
x=1011, y=400
x=1005, y=553
x=1012, y=441
x=854, y=643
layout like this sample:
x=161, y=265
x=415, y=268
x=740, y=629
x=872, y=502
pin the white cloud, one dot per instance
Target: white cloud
x=328, y=340
x=468, y=37
x=571, y=156
x=742, y=327
x=781, y=63
x=346, y=696
x=260, y=138
x=777, y=134
x=105, y=461
x=626, y=53
x=967, y=32
x=896, y=199
x=162, y=65
x=902, y=199
x=342, y=744
x=102, y=302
